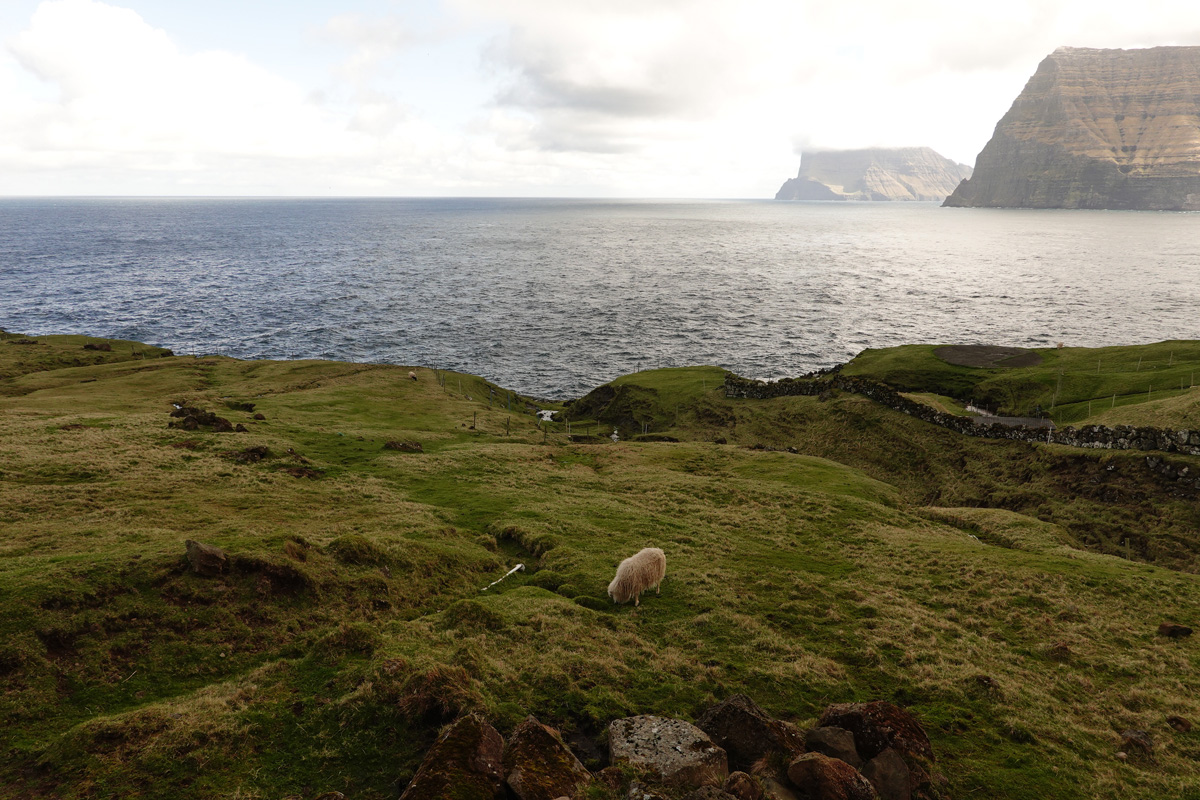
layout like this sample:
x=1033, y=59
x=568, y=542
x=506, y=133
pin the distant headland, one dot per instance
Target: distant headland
x=900, y=173
x=1104, y=129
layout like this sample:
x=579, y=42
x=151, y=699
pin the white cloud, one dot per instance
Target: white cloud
x=124, y=90
x=624, y=97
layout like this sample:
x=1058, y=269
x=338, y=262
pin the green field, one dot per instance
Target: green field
x=1073, y=385
x=818, y=551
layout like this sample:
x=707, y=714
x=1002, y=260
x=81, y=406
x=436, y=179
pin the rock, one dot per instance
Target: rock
x=464, y=763
x=679, y=753
x=823, y=778
x=206, y=559
x=1173, y=630
x=774, y=789
x=539, y=766
x=835, y=743
x=880, y=725
x=190, y=418
x=259, y=416
x=743, y=787
x=902, y=173
x=404, y=447
x=1180, y=724
x=103, y=347
x=709, y=793
x=637, y=791
x=1096, y=129
x=747, y=733
x=890, y=776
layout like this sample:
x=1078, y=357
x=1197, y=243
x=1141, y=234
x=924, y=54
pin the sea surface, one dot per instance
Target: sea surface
x=555, y=297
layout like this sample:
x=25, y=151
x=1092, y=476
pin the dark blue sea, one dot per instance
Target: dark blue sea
x=554, y=297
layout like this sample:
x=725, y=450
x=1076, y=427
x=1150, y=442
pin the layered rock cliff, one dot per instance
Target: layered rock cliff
x=1094, y=128
x=903, y=173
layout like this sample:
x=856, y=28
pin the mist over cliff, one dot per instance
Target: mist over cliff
x=1117, y=129
x=902, y=173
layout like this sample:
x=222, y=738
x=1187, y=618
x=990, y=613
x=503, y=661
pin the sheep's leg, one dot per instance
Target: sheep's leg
x=637, y=598
x=658, y=588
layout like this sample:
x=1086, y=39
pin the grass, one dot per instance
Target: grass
x=1074, y=385
x=975, y=582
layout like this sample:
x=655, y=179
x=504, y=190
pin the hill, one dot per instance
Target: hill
x=876, y=561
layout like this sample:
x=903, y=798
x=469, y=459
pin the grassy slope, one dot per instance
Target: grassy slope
x=352, y=623
x=1076, y=384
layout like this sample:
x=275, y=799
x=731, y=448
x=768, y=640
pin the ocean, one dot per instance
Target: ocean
x=555, y=297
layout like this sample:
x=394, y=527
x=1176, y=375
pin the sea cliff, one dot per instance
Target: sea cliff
x=904, y=173
x=1114, y=129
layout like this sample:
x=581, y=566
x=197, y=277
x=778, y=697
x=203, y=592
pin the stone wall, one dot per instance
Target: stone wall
x=1121, y=437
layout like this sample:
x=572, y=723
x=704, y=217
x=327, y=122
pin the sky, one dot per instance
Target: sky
x=533, y=98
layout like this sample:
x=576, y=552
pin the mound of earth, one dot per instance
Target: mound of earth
x=987, y=355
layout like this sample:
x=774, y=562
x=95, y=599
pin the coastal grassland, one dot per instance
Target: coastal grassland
x=351, y=622
x=1074, y=385
x=23, y=354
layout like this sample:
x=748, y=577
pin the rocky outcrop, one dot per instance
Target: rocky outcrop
x=1117, y=129
x=904, y=173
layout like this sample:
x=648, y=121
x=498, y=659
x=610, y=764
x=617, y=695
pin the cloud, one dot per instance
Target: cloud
x=123, y=88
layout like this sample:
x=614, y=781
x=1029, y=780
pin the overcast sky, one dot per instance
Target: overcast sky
x=626, y=98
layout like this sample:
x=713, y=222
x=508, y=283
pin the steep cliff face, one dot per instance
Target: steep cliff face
x=903, y=173
x=1097, y=129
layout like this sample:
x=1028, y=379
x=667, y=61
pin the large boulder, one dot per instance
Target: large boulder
x=880, y=725
x=677, y=752
x=820, y=777
x=539, y=766
x=464, y=763
x=747, y=733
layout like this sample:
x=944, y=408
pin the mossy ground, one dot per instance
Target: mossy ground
x=885, y=559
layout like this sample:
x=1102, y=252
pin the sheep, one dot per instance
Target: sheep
x=638, y=573
x=412, y=374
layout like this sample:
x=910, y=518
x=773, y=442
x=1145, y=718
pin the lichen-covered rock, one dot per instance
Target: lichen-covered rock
x=747, y=733
x=835, y=743
x=820, y=777
x=463, y=764
x=205, y=558
x=539, y=766
x=677, y=752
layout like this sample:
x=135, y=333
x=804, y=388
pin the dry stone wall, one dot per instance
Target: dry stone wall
x=1121, y=437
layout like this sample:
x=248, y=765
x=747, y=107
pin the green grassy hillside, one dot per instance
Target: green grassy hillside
x=1073, y=385
x=883, y=559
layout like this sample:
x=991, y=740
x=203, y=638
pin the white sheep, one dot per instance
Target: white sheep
x=412, y=374
x=638, y=573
